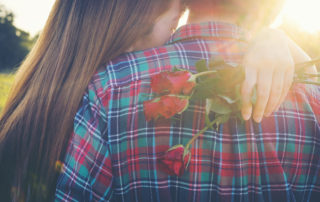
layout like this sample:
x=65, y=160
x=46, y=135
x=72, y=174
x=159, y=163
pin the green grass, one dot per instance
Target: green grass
x=6, y=81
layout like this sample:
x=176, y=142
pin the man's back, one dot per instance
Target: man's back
x=113, y=152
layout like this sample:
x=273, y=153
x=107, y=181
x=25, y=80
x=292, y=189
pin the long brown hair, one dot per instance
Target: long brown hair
x=36, y=124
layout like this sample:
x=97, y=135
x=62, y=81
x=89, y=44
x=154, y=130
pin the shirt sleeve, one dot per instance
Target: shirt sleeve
x=87, y=172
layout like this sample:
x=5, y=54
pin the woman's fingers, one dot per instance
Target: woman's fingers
x=276, y=92
x=288, y=79
x=246, y=93
x=263, y=93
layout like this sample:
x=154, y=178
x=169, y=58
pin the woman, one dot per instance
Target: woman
x=78, y=37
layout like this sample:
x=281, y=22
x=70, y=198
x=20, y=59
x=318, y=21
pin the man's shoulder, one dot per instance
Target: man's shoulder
x=139, y=65
x=187, y=45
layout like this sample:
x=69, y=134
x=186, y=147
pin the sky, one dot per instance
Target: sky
x=31, y=15
x=305, y=14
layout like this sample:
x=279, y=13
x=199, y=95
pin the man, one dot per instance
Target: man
x=113, y=153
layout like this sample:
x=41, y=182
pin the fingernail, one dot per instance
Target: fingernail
x=267, y=114
x=258, y=119
x=246, y=117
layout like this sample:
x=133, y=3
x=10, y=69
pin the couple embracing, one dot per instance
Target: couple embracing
x=74, y=127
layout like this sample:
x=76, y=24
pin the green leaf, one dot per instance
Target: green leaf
x=237, y=106
x=216, y=63
x=208, y=122
x=205, y=88
x=254, y=96
x=235, y=95
x=208, y=106
x=229, y=100
x=232, y=65
x=237, y=91
x=219, y=106
x=201, y=66
x=232, y=75
x=219, y=63
x=202, y=93
x=221, y=119
x=228, y=78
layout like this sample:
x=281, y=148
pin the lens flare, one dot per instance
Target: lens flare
x=184, y=18
x=304, y=14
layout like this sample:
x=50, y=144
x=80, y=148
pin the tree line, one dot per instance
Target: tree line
x=14, y=42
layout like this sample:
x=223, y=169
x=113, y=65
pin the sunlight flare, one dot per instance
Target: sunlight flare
x=184, y=18
x=304, y=14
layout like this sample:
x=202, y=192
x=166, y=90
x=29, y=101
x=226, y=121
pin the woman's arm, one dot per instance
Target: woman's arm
x=269, y=65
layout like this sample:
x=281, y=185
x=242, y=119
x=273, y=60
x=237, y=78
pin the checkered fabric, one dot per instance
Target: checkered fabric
x=112, y=155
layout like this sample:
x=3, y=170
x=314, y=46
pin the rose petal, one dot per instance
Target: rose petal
x=188, y=87
x=174, y=162
x=172, y=105
x=164, y=168
x=172, y=83
x=160, y=83
x=178, y=167
x=178, y=81
x=151, y=109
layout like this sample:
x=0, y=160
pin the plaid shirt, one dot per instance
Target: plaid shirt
x=112, y=155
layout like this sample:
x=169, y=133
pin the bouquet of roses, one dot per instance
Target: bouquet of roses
x=218, y=83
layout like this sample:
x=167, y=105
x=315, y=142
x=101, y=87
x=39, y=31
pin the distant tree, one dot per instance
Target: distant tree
x=14, y=43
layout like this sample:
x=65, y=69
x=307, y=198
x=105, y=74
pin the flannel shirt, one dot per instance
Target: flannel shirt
x=112, y=155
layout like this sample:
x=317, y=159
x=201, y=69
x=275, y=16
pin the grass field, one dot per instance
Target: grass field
x=6, y=81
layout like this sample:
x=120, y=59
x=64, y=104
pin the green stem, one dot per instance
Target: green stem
x=310, y=75
x=198, y=134
x=307, y=64
x=307, y=82
x=179, y=96
x=204, y=73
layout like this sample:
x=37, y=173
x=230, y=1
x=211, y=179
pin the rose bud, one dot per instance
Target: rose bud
x=180, y=82
x=165, y=106
x=175, y=160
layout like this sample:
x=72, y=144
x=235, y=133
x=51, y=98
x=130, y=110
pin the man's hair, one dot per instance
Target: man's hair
x=263, y=10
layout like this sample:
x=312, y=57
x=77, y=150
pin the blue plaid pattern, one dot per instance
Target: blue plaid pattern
x=113, y=151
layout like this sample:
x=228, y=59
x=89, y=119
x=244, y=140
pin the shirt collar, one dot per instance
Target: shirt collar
x=209, y=30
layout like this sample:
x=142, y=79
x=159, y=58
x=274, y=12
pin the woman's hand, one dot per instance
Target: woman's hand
x=299, y=56
x=269, y=66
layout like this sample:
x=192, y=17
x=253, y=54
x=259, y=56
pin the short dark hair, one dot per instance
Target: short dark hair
x=265, y=10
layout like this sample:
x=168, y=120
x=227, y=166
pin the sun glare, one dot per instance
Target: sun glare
x=304, y=13
x=184, y=18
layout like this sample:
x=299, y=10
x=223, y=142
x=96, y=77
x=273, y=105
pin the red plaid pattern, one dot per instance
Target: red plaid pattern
x=113, y=152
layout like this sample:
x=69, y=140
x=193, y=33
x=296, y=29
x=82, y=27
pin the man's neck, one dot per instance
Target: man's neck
x=236, y=20
x=206, y=18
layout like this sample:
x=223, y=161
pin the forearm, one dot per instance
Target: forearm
x=299, y=56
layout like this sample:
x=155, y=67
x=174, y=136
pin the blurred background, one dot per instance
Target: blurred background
x=21, y=21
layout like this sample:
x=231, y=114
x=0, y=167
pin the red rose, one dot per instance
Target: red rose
x=175, y=160
x=151, y=109
x=165, y=106
x=160, y=83
x=179, y=82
